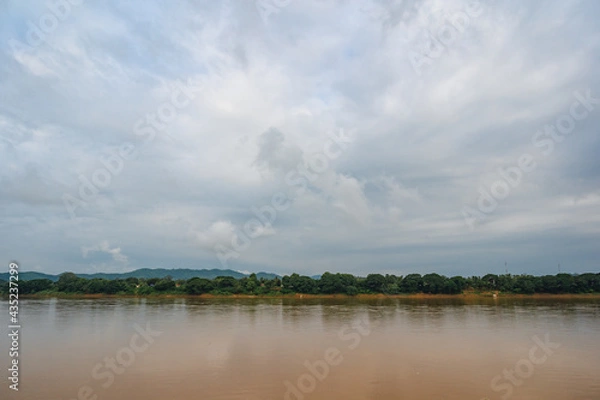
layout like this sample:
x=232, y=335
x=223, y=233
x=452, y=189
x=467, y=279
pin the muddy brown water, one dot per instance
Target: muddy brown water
x=305, y=349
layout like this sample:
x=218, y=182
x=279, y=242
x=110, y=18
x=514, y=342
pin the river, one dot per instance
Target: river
x=254, y=349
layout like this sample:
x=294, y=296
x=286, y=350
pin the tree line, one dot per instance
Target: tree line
x=328, y=283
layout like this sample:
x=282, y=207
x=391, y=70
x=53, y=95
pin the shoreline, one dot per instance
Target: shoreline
x=298, y=296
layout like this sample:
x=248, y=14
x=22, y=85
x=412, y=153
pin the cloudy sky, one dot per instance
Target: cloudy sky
x=284, y=135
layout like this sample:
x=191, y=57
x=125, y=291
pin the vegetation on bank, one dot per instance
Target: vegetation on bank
x=328, y=283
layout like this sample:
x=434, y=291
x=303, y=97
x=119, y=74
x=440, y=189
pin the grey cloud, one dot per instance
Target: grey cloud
x=391, y=202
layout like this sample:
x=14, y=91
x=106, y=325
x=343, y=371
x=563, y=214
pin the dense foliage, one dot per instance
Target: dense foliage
x=328, y=283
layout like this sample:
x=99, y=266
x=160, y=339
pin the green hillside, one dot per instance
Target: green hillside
x=147, y=273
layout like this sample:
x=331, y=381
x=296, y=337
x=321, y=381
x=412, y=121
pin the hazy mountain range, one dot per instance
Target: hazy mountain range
x=147, y=273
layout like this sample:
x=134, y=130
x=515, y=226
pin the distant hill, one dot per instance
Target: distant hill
x=147, y=273
x=29, y=276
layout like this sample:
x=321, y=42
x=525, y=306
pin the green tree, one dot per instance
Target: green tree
x=70, y=283
x=547, y=284
x=96, y=285
x=330, y=283
x=351, y=290
x=144, y=290
x=460, y=282
x=449, y=287
x=525, y=284
x=132, y=281
x=164, y=284
x=412, y=283
x=392, y=284
x=490, y=282
x=198, y=286
x=226, y=284
x=375, y=283
x=433, y=283
x=152, y=281
x=299, y=284
x=506, y=283
x=587, y=283
x=566, y=283
x=35, y=286
x=115, y=286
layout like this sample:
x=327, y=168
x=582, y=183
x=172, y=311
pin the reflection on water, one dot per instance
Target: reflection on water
x=307, y=349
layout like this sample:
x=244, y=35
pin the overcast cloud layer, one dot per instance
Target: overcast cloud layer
x=144, y=133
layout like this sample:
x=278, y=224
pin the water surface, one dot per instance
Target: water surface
x=307, y=349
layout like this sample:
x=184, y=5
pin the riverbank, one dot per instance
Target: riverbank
x=299, y=296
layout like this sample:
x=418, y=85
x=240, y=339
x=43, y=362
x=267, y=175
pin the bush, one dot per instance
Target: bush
x=351, y=290
x=164, y=284
x=198, y=286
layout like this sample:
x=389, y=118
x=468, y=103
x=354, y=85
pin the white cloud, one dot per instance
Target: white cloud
x=219, y=233
x=270, y=94
x=104, y=247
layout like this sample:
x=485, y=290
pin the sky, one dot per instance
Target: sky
x=376, y=136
